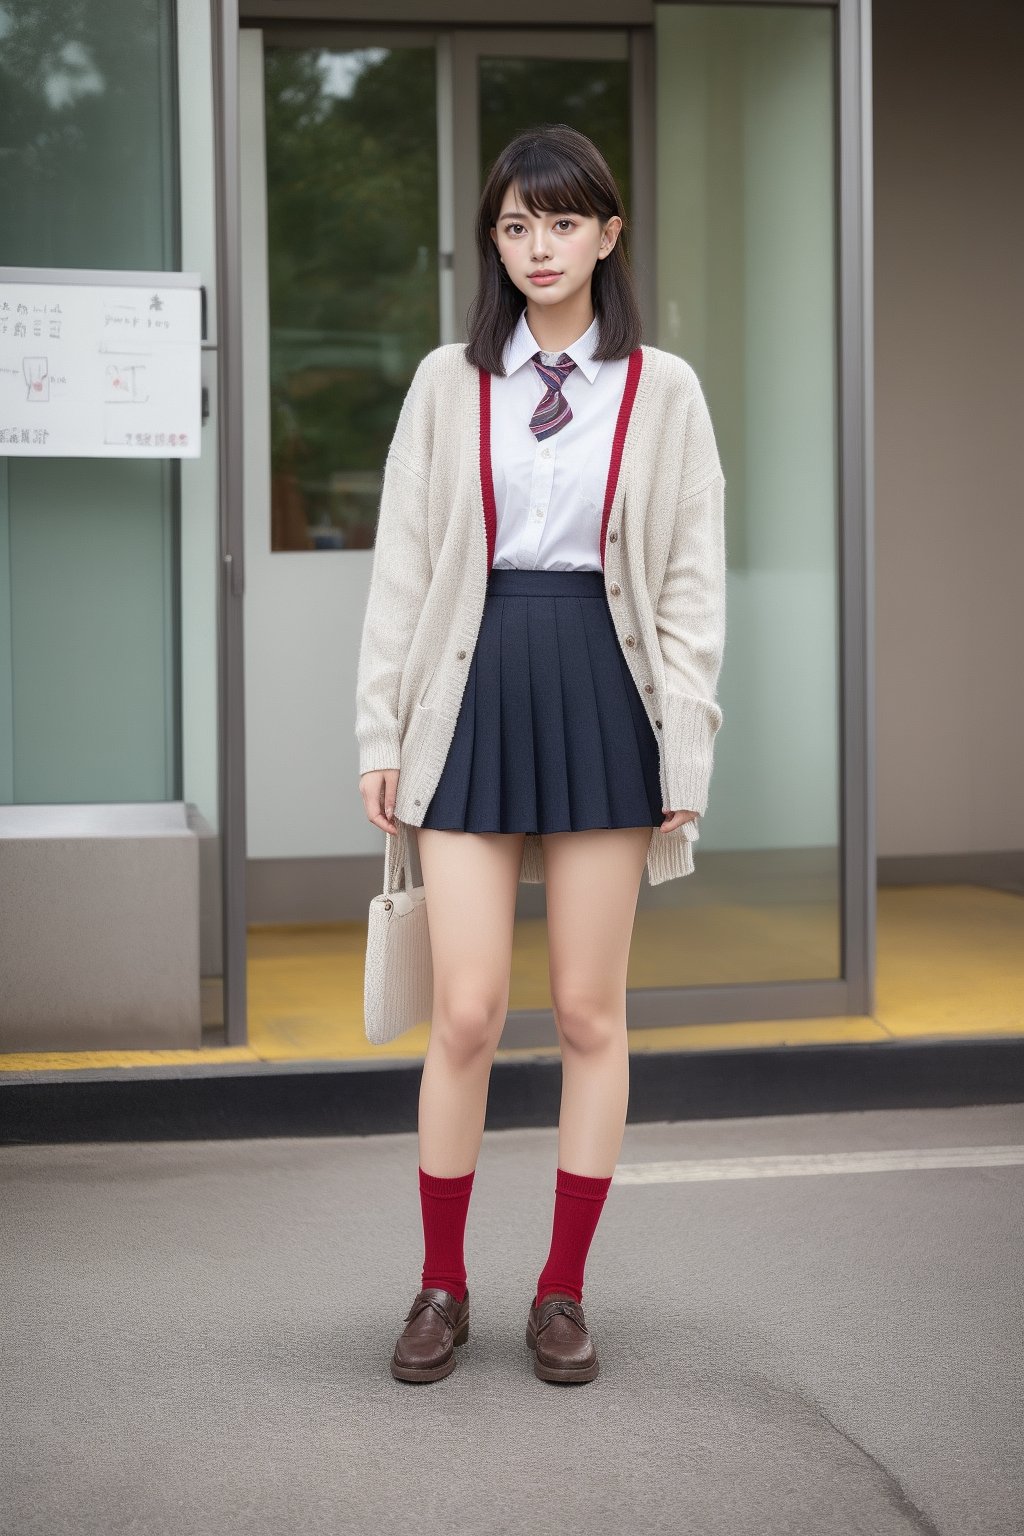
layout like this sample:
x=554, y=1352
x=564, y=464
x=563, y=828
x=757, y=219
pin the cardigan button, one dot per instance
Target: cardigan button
x=648, y=688
x=631, y=640
x=417, y=802
x=612, y=537
x=461, y=655
x=657, y=723
x=615, y=589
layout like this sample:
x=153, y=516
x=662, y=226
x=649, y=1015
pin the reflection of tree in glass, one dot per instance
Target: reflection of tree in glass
x=352, y=237
x=591, y=95
x=87, y=165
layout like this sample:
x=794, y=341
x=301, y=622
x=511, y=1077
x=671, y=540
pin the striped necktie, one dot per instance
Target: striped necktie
x=553, y=411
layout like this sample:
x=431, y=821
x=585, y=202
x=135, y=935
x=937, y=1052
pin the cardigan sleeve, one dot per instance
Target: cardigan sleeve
x=690, y=615
x=399, y=580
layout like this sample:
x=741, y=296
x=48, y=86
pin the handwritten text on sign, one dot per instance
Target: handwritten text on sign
x=100, y=371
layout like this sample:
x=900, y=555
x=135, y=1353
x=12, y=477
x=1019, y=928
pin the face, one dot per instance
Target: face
x=565, y=243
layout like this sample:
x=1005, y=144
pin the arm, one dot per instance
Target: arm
x=399, y=579
x=690, y=615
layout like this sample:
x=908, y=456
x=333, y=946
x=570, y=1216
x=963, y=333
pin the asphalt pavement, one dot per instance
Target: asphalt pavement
x=809, y=1324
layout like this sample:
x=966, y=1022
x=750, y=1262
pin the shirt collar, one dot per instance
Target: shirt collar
x=523, y=344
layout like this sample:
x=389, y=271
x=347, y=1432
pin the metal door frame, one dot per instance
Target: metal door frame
x=853, y=991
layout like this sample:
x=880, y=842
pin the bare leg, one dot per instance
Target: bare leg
x=593, y=885
x=471, y=880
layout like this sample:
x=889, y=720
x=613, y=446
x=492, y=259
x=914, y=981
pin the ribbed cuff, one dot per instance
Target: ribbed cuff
x=445, y=1189
x=581, y=1185
x=379, y=750
x=691, y=725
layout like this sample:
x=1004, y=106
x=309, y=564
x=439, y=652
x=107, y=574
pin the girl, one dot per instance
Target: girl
x=536, y=690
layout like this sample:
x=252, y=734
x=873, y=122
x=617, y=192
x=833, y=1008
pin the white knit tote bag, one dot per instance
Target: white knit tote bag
x=398, y=984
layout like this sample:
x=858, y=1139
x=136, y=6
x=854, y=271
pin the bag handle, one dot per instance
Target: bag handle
x=397, y=861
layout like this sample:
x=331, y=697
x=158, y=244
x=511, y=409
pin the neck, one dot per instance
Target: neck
x=557, y=326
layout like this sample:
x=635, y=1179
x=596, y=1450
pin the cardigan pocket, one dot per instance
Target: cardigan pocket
x=424, y=698
x=420, y=720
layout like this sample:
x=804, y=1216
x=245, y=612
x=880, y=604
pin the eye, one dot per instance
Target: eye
x=514, y=224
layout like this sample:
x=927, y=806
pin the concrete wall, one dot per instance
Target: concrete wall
x=949, y=344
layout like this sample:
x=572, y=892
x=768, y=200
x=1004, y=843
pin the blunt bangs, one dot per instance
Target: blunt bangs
x=549, y=184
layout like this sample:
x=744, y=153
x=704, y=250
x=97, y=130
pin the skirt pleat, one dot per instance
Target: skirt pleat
x=552, y=735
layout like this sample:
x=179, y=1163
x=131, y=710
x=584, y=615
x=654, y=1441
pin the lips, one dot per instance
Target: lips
x=541, y=277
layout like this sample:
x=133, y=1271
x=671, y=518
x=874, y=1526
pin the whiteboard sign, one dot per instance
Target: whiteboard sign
x=99, y=370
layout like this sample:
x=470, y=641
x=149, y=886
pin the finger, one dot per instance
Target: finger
x=386, y=818
x=374, y=813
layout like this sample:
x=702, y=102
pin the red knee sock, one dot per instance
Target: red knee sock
x=579, y=1201
x=445, y=1206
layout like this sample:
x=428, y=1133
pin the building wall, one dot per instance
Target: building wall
x=949, y=421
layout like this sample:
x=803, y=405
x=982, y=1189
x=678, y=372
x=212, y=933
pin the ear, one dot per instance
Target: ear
x=611, y=230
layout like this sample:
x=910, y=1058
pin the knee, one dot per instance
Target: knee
x=466, y=1026
x=587, y=1024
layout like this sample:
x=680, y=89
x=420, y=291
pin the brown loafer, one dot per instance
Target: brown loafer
x=434, y=1324
x=563, y=1347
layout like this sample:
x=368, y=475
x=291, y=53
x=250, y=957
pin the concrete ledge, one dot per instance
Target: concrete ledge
x=367, y=1098
x=99, y=927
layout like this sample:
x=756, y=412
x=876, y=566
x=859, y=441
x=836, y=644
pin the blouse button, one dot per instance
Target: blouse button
x=615, y=589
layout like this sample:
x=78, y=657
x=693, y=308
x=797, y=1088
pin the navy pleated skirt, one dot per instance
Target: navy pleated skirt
x=552, y=735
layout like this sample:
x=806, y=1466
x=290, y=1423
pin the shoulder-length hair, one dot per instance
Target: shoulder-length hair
x=557, y=170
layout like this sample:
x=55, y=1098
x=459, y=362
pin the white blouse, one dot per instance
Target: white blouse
x=550, y=495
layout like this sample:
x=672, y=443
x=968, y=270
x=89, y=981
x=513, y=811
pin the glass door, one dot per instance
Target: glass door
x=734, y=248
x=746, y=192
x=363, y=155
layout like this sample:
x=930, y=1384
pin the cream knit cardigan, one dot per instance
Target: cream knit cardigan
x=663, y=548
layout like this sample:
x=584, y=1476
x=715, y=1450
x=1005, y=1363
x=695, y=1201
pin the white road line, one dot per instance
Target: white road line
x=789, y=1166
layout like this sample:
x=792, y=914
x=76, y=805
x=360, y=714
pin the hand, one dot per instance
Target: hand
x=379, y=789
x=676, y=819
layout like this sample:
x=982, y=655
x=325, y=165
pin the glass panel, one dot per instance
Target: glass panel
x=86, y=177
x=91, y=626
x=746, y=219
x=592, y=95
x=88, y=546
x=351, y=139
x=109, y=567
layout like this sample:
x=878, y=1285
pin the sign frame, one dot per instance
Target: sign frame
x=151, y=445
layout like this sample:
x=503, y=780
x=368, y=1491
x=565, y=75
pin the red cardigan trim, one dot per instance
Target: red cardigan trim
x=486, y=472
x=636, y=360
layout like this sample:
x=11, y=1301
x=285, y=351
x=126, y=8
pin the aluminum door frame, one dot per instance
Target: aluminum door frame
x=853, y=992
